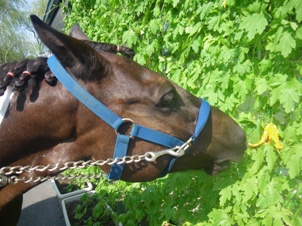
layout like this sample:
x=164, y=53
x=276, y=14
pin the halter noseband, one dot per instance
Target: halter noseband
x=115, y=121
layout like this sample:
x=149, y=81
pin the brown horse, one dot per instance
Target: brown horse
x=45, y=124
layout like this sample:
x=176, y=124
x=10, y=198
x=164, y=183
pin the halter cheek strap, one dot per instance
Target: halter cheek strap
x=115, y=121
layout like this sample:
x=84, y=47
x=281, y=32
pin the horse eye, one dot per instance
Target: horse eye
x=167, y=99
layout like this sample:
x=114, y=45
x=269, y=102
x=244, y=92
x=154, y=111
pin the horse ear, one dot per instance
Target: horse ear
x=77, y=33
x=76, y=56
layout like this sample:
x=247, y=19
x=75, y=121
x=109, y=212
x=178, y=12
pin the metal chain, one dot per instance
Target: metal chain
x=16, y=179
x=10, y=170
x=8, y=173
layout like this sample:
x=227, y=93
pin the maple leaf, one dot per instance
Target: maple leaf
x=286, y=44
x=254, y=24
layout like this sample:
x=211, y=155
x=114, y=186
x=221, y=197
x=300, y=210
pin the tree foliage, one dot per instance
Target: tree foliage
x=17, y=40
x=243, y=57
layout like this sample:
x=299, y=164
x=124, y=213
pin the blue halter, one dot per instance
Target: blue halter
x=115, y=121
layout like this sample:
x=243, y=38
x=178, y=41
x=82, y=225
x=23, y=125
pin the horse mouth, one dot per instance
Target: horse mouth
x=217, y=167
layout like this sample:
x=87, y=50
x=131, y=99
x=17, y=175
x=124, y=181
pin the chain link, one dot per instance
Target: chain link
x=8, y=173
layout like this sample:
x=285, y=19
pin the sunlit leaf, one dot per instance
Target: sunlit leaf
x=271, y=157
x=221, y=217
x=286, y=44
x=254, y=24
x=261, y=86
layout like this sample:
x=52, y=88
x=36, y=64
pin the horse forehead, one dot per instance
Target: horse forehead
x=133, y=73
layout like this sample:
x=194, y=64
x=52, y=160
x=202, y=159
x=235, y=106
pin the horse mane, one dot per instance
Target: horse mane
x=27, y=72
x=10, y=73
x=111, y=48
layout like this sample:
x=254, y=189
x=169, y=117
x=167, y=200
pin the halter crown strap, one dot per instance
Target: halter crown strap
x=82, y=95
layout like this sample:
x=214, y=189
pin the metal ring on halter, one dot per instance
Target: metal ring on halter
x=3, y=181
x=124, y=121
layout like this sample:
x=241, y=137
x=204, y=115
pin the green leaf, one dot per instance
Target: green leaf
x=297, y=220
x=98, y=209
x=225, y=55
x=263, y=179
x=242, y=87
x=261, y=86
x=265, y=65
x=277, y=79
x=149, y=50
x=252, y=222
x=242, y=54
x=225, y=195
x=282, y=41
x=213, y=23
x=291, y=136
x=298, y=128
x=140, y=8
x=258, y=158
x=179, y=30
x=243, y=68
x=288, y=95
x=294, y=163
x=253, y=24
x=140, y=58
x=154, y=26
x=281, y=216
x=271, y=157
x=267, y=219
x=299, y=33
x=286, y=44
x=293, y=25
x=299, y=11
x=275, y=95
x=192, y=30
x=249, y=189
x=270, y=195
x=210, y=95
x=221, y=217
x=195, y=45
x=156, y=11
x=129, y=37
x=275, y=215
x=204, y=10
x=175, y=3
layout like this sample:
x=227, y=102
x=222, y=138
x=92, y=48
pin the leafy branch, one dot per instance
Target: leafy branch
x=243, y=57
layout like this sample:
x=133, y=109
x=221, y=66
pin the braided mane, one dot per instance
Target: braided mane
x=27, y=72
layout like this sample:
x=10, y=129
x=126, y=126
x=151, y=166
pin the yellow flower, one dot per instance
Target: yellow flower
x=270, y=133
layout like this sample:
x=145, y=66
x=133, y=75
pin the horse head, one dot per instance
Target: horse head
x=56, y=127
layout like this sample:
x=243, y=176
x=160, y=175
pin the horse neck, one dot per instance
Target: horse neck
x=52, y=129
x=36, y=125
